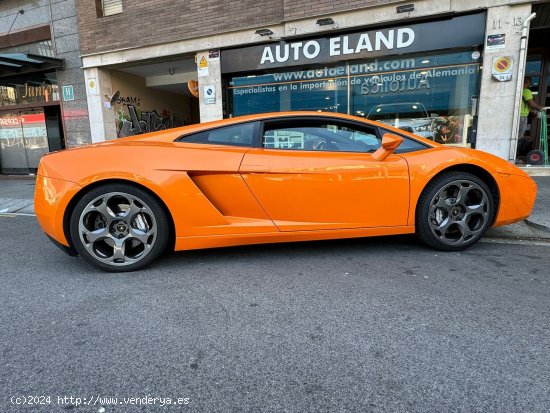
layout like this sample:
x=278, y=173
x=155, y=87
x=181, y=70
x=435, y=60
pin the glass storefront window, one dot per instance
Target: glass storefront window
x=433, y=95
x=23, y=141
x=533, y=64
x=32, y=88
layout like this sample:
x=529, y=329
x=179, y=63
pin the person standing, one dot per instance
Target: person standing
x=528, y=104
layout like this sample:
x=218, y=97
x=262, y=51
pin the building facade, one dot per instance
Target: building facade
x=43, y=105
x=447, y=70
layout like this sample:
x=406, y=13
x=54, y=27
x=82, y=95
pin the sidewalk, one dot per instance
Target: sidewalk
x=540, y=217
x=17, y=192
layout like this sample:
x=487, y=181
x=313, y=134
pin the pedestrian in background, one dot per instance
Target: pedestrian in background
x=528, y=104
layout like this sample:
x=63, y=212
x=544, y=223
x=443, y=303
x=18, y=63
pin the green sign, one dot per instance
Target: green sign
x=68, y=93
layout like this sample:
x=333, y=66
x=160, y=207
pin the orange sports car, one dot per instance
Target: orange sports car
x=266, y=178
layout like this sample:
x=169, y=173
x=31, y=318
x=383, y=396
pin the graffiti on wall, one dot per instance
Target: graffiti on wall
x=128, y=100
x=136, y=122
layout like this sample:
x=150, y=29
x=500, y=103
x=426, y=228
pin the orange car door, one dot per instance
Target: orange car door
x=219, y=200
x=323, y=176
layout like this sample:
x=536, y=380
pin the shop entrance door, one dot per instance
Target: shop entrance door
x=538, y=69
x=24, y=139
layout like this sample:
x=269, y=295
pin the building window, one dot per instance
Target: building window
x=108, y=7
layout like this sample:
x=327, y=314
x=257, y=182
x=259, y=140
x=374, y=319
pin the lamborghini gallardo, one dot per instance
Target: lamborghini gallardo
x=277, y=177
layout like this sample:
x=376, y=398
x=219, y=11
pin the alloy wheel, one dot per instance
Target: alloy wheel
x=117, y=229
x=459, y=212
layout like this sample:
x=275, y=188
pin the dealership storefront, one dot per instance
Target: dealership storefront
x=422, y=77
x=435, y=72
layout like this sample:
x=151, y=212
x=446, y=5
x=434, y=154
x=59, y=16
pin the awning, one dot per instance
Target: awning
x=14, y=64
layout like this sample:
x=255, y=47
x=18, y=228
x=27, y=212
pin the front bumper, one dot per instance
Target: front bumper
x=517, y=198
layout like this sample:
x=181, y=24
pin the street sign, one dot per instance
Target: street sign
x=68, y=93
x=502, y=68
x=209, y=95
x=203, y=67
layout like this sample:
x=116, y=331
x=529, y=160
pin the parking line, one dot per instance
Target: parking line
x=15, y=214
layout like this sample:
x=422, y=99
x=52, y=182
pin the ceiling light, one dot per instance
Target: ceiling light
x=263, y=32
x=407, y=8
x=325, y=22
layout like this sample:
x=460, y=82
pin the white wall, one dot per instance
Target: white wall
x=210, y=76
x=102, y=119
x=497, y=99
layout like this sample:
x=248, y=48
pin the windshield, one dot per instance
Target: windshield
x=398, y=111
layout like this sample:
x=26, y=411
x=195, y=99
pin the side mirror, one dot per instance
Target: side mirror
x=390, y=143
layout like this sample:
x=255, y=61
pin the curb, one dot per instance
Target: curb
x=540, y=227
x=535, y=170
x=520, y=230
x=16, y=205
x=17, y=177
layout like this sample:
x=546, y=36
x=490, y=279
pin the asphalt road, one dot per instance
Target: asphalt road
x=375, y=325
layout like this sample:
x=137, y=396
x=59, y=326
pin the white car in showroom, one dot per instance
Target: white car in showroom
x=409, y=116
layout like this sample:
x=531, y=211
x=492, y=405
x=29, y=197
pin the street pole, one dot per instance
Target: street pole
x=519, y=87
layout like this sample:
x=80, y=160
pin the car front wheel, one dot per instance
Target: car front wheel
x=454, y=211
x=118, y=227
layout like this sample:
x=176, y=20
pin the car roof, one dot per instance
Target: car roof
x=240, y=119
x=170, y=135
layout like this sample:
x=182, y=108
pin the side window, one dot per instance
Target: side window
x=408, y=144
x=319, y=135
x=235, y=135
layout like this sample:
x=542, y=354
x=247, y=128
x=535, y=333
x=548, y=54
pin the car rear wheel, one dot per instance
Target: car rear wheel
x=118, y=228
x=454, y=211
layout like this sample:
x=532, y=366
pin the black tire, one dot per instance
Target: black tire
x=535, y=157
x=454, y=211
x=119, y=228
x=525, y=145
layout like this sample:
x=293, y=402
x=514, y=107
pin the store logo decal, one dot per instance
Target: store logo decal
x=341, y=45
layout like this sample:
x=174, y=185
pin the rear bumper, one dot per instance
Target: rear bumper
x=51, y=198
